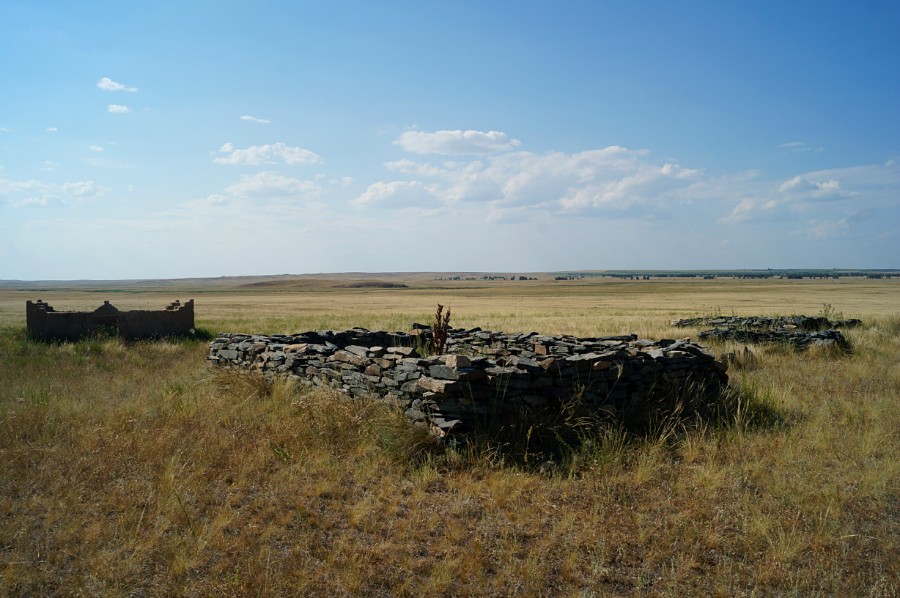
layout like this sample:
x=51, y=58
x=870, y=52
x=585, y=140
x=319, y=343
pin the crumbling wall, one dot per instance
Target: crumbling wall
x=800, y=332
x=486, y=374
x=46, y=324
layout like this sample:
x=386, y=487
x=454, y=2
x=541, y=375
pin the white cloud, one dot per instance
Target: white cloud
x=827, y=229
x=4, y=130
x=812, y=188
x=107, y=84
x=80, y=188
x=611, y=177
x=456, y=142
x=859, y=178
x=514, y=186
x=52, y=129
x=253, y=119
x=118, y=109
x=95, y=148
x=40, y=193
x=214, y=199
x=800, y=147
x=396, y=194
x=273, y=185
x=829, y=194
x=742, y=211
x=267, y=154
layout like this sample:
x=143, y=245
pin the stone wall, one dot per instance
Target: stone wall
x=486, y=374
x=45, y=323
x=799, y=332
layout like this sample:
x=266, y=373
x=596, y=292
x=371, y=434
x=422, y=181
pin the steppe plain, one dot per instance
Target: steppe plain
x=136, y=469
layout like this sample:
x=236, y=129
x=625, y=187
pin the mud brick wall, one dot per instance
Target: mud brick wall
x=485, y=374
x=46, y=324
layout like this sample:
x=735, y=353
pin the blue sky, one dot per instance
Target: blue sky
x=162, y=140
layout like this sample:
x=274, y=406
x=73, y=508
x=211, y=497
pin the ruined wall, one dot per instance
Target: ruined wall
x=486, y=374
x=45, y=323
x=800, y=332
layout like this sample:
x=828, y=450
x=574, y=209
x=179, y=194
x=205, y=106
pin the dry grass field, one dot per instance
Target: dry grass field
x=136, y=470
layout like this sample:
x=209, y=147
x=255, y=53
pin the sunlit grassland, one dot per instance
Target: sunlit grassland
x=134, y=469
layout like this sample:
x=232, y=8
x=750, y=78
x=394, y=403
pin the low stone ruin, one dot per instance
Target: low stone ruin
x=46, y=324
x=799, y=332
x=487, y=374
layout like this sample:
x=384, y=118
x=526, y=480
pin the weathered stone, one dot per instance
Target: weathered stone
x=435, y=385
x=456, y=361
x=401, y=350
x=348, y=358
x=443, y=372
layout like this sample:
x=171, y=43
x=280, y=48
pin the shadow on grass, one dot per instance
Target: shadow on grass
x=16, y=342
x=21, y=334
x=578, y=436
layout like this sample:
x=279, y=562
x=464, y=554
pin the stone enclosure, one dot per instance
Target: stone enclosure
x=487, y=375
x=800, y=332
x=46, y=324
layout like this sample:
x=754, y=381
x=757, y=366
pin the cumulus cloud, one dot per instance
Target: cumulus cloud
x=40, y=193
x=214, y=199
x=511, y=185
x=118, y=109
x=266, y=154
x=395, y=194
x=273, y=185
x=812, y=188
x=829, y=194
x=107, y=84
x=611, y=177
x=744, y=210
x=456, y=142
x=253, y=119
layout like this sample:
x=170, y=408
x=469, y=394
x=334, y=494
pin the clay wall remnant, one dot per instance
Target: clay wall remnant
x=46, y=324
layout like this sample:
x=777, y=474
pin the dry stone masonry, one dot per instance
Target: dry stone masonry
x=486, y=374
x=800, y=332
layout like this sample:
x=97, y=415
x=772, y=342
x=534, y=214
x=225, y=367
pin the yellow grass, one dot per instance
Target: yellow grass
x=136, y=470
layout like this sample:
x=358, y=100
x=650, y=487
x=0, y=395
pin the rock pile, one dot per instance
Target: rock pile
x=486, y=374
x=800, y=332
x=769, y=322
